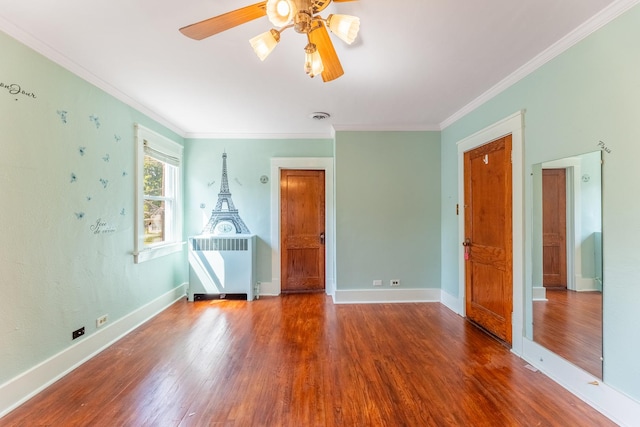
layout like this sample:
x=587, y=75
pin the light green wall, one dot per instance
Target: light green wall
x=247, y=161
x=396, y=194
x=586, y=95
x=56, y=274
x=387, y=209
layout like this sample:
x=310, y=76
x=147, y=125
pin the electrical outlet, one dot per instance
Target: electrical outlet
x=100, y=321
x=395, y=282
x=377, y=283
x=77, y=333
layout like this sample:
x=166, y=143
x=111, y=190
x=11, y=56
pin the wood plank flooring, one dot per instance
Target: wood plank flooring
x=570, y=325
x=299, y=360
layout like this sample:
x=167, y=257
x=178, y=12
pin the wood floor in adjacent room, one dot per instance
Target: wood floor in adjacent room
x=300, y=360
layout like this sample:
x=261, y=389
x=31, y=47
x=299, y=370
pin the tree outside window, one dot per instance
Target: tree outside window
x=158, y=206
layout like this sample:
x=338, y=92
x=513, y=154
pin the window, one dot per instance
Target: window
x=158, y=198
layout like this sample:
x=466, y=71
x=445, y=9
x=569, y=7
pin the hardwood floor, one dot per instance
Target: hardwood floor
x=570, y=325
x=300, y=360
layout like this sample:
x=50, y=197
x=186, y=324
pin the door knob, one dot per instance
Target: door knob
x=467, y=245
x=322, y=238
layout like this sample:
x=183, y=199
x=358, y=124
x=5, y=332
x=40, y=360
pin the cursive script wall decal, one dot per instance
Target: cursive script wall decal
x=15, y=89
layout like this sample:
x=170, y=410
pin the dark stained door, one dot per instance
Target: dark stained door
x=488, y=237
x=302, y=228
x=554, y=228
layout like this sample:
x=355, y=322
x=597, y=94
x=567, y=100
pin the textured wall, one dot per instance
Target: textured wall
x=67, y=191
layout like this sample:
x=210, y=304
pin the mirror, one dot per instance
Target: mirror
x=567, y=259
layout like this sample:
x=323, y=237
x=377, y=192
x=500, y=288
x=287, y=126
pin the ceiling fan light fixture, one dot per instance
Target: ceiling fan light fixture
x=312, y=62
x=344, y=26
x=280, y=12
x=264, y=43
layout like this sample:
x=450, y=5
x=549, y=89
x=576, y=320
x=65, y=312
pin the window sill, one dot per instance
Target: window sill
x=148, y=254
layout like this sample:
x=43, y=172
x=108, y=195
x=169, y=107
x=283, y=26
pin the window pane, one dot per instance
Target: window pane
x=154, y=171
x=154, y=221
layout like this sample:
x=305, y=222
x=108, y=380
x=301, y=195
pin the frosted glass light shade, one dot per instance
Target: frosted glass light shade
x=264, y=43
x=280, y=12
x=312, y=61
x=344, y=26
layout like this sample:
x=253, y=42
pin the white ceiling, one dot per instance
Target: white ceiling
x=415, y=65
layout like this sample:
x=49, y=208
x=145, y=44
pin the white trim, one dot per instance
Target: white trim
x=587, y=28
x=452, y=303
x=142, y=252
x=157, y=252
x=18, y=390
x=573, y=242
x=539, y=293
x=586, y=284
x=75, y=68
x=615, y=405
x=387, y=128
x=379, y=296
x=513, y=125
x=314, y=163
x=239, y=135
x=266, y=289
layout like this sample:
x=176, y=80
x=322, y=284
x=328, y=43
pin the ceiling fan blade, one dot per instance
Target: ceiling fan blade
x=332, y=67
x=220, y=23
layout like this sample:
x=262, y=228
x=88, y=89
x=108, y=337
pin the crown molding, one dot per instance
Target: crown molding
x=387, y=128
x=225, y=135
x=590, y=26
x=57, y=57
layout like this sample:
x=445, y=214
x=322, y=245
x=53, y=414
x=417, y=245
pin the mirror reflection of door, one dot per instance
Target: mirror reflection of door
x=554, y=228
x=567, y=307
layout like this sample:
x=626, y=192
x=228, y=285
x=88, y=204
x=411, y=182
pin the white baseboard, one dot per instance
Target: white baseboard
x=615, y=405
x=539, y=293
x=452, y=303
x=586, y=284
x=270, y=289
x=18, y=390
x=371, y=296
x=273, y=289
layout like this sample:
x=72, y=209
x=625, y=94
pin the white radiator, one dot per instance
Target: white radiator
x=222, y=266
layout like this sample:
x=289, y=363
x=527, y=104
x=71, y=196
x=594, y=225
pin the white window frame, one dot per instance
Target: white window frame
x=145, y=252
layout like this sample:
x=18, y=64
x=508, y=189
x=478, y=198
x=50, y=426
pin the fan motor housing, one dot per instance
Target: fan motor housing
x=302, y=22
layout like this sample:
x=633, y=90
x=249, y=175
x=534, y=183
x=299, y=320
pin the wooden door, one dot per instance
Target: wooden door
x=488, y=237
x=302, y=222
x=554, y=228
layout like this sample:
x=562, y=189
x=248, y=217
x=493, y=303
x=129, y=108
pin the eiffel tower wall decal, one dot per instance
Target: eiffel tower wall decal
x=225, y=218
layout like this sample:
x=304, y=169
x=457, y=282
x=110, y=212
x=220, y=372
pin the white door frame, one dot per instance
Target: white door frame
x=513, y=125
x=572, y=166
x=311, y=163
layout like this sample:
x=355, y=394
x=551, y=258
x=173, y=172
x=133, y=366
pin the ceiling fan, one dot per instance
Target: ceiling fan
x=302, y=16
